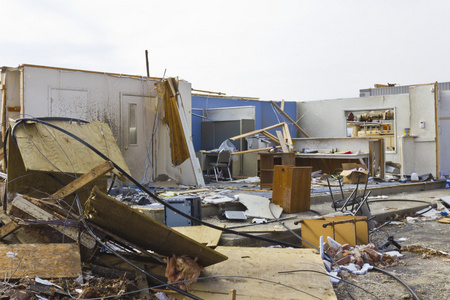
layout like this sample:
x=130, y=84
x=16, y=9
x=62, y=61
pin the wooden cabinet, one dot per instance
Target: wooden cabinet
x=267, y=161
x=292, y=188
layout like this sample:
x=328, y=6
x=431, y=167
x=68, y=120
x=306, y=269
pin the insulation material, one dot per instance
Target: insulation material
x=178, y=145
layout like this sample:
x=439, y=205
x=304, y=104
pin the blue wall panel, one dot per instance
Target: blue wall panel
x=265, y=114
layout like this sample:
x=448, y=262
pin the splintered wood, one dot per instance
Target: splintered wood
x=41, y=260
x=255, y=274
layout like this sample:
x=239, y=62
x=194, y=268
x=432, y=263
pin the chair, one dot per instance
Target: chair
x=223, y=162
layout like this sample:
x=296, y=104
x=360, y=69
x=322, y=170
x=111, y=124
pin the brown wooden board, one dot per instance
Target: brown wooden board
x=265, y=263
x=202, y=234
x=144, y=231
x=42, y=260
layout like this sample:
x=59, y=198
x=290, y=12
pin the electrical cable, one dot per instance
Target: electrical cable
x=399, y=280
x=141, y=187
x=83, y=221
x=203, y=278
x=332, y=276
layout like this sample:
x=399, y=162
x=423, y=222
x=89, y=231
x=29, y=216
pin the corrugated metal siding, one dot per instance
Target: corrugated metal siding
x=395, y=90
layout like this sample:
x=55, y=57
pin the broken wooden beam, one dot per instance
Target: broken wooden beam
x=40, y=214
x=254, y=150
x=255, y=132
x=84, y=180
x=8, y=228
x=42, y=260
x=139, y=229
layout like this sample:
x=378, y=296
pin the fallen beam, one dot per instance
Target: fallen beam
x=40, y=214
x=84, y=180
x=255, y=132
x=139, y=229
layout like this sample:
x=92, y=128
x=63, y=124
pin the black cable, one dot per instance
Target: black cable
x=141, y=187
x=399, y=280
x=112, y=184
x=332, y=276
x=77, y=200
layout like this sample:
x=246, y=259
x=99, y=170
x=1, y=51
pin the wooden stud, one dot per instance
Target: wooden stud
x=282, y=141
x=254, y=150
x=84, y=180
x=270, y=136
x=232, y=294
x=289, y=118
x=255, y=132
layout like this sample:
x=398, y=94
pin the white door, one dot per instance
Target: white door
x=135, y=135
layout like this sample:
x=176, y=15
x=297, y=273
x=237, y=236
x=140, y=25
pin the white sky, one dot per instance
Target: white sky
x=294, y=50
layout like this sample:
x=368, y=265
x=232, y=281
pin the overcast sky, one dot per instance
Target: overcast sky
x=293, y=50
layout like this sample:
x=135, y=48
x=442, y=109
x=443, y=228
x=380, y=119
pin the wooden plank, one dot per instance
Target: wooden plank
x=255, y=132
x=287, y=136
x=22, y=92
x=271, y=136
x=254, y=150
x=282, y=105
x=282, y=141
x=3, y=101
x=289, y=118
x=203, y=234
x=261, y=263
x=14, y=108
x=8, y=228
x=41, y=260
x=40, y=214
x=134, y=226
x=84, y=180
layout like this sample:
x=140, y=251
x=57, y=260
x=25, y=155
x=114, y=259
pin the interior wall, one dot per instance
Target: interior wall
x=103, y=93
x=265, y=114
x=326, y=118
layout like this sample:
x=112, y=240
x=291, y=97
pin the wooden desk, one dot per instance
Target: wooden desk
x=329, y=163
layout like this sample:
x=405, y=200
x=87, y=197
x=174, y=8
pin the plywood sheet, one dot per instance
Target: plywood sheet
x=202, y=234
x=143, y=231
x=44, y=148
x=265, y=263
x=42, y=260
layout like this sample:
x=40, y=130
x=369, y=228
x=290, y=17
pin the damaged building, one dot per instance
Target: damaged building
x=114, y=186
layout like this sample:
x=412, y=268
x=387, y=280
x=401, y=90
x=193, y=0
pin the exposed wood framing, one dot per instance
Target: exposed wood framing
x=254, y=150
x=84, y=180
x=22, y=92
x=182, y=147
x=3, y=99
x=40, y=214
x=255, y=132
x=289, y=118
x=282, y=141
x=270, y=136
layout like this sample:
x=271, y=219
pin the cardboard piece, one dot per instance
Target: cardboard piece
x=351, y=171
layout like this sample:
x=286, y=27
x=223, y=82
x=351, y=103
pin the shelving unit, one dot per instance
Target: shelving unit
x=267, y=162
